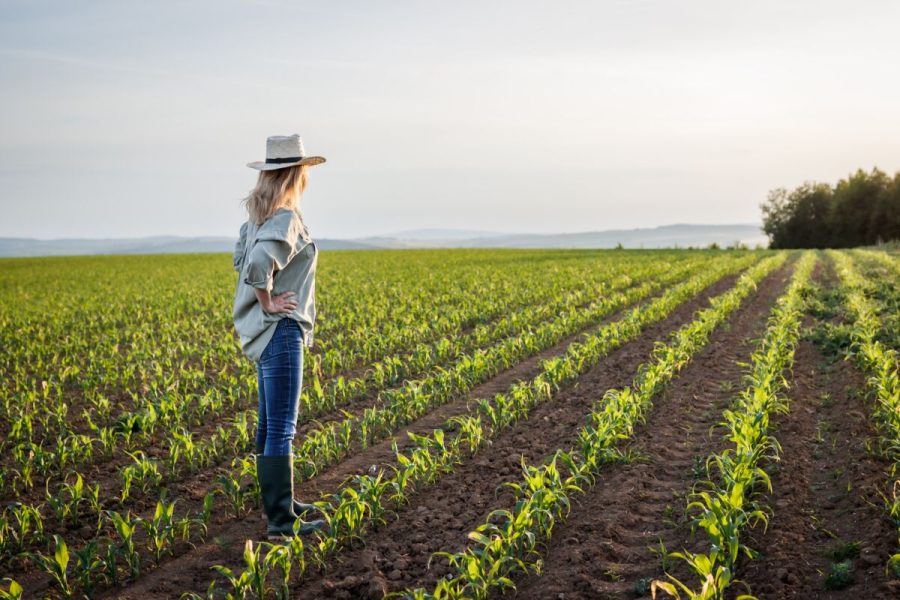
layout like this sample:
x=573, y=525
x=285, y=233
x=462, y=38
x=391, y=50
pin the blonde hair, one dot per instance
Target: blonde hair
x=279, y=188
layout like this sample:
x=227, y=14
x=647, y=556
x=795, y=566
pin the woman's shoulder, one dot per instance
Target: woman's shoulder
x=284, y=224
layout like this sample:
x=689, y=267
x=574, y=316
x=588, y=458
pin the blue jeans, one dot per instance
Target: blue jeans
x=280, y=376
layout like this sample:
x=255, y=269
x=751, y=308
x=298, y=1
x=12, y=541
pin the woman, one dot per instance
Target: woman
x=274, y=313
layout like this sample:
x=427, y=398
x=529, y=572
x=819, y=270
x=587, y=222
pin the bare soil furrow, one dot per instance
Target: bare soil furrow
x=826, y=492
x=357, y=405
x=192, y=570
x=397, y=556
x=603, y=550
x=381, y=454
x=190, y=490
x=105, y=470
x=191, y=487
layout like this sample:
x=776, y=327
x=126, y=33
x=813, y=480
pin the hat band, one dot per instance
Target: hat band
x=283, y=160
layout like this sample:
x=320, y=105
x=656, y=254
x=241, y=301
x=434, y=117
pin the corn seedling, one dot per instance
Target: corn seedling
x=56, y=566
x=14, y=591
x=279, y=558
x=125, y=528
x=22, y=525
x=230, y=487
x=88, y=567
x=160, y=529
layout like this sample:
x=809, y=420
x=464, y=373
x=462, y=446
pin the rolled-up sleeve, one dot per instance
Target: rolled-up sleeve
x=265, y=257
x=238, y=257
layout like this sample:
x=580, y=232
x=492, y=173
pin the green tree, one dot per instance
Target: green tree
x=862, y=209
x=855, y=201
x=884, y=222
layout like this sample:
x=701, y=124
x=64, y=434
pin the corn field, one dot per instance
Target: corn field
x=702, y=424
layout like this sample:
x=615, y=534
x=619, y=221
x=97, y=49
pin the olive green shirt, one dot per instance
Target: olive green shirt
x=278, y=256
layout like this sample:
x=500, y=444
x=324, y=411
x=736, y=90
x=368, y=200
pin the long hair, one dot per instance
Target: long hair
x=279, y=188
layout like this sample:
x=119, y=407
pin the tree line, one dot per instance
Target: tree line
x=861, y=210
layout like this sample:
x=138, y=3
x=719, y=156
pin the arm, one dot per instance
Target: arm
x=239, y=248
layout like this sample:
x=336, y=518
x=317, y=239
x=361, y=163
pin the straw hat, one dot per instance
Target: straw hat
x=285, y=151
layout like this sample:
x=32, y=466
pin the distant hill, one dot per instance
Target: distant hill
x=148, y=245
x=669, y=236
x=443, y=234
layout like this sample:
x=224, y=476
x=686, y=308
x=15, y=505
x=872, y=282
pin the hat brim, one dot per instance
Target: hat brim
x=307, y=160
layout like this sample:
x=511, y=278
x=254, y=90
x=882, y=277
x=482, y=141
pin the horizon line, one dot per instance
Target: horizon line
x=387, y=235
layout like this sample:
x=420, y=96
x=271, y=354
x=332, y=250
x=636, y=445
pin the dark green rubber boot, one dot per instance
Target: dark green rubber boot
x=276, y=486
x=300, y=509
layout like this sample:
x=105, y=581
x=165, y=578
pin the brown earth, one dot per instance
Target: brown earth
x=192, y=570
x=397, y=556
x=99, y=467
x=826, y=490
x=193, y=486
x=358, y=405
x=190, y=488
x=605, y=548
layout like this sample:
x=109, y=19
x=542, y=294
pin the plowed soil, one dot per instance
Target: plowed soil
x=604, y=549
x=397, y=557
x=447, y=521
x=826, y=491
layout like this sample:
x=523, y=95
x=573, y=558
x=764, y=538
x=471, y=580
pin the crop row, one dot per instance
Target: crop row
x=332, y=442
x=723, y=508
x=509, y=539
x=136, y=429
x=367, y=499
x=230, y=485
x=69, y=366
x=423, y=357
x=879, y=363
x=882, y=273
x=81, y=344
x=186, y=455
x=130, y=431
x=362, y=296
x=410, y=289
x=484, y=288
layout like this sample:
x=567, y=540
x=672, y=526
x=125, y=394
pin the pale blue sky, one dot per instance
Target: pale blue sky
x=123, y=119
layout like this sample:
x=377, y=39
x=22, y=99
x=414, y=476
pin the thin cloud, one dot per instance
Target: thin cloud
x=89, y=63
x=78, y=61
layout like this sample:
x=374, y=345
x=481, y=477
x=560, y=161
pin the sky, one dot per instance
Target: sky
x=127, y=119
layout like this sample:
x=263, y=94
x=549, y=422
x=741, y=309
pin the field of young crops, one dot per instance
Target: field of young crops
x=473, y=424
